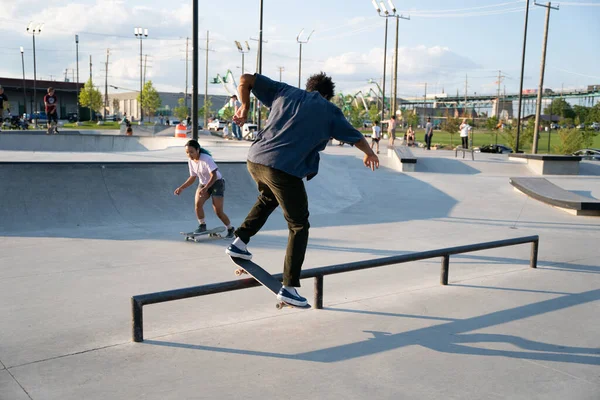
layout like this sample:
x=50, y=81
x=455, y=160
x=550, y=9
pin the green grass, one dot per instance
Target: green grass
x=483, y=136
x=93, y=125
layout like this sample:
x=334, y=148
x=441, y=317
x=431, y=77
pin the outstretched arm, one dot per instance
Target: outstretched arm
x=186, y=184
x=370, y=160
x=244, y=88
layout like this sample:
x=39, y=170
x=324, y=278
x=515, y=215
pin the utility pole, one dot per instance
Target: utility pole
x=106, y=83
x=541, y=86
x=187, y=40
x=424, y=104
x=281, y=69
x=205, y=91
x=395, y=99
x=522, y=73
x=91, y=87
x=500, y=77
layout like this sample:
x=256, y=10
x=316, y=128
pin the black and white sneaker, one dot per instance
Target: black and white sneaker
x=234, y=251
x=230, y=233
x=291, y=298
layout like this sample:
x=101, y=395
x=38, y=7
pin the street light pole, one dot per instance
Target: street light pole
x=24, y=94
x=33, y=30
x=141, y=33
x=77, y=60
x=300, y=58
x=260, y=45
x=241, y=50
x=389, y=14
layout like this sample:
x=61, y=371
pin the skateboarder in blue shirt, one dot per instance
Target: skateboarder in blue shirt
x=284, y=152
x=212, y=184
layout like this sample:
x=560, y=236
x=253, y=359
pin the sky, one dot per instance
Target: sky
x=445, y=44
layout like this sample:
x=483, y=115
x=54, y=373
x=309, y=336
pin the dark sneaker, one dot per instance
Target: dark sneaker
x=234, y=251
x=201, y=228
x=230, y=233
x=294, y=299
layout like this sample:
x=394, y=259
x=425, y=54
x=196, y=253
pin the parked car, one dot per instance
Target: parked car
x=595, y=126
x=72, y=117
x=216, y=125
x=249, y=131
x=588, y=154
x=494, y=148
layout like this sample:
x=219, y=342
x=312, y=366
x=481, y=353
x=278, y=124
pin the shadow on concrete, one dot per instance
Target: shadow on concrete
x=450, y=337
x=589, y=168
x=445, y=166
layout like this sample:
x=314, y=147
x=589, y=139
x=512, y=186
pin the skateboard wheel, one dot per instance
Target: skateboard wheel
x=238, y=272
x=279, y=306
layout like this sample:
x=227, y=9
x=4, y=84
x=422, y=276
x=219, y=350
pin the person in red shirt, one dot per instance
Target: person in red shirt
x=50, y=102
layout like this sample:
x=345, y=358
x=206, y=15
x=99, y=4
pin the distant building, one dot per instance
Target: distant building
x=65, y=91
x=128, y=103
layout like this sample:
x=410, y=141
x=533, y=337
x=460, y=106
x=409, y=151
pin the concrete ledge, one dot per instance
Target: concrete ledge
x=546, y=164
x=404, y=160
x=547, y=192
x=86, y=143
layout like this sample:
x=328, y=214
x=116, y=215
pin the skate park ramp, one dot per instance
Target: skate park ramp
x=77, y=240
x=72, y=142
x=71, y=198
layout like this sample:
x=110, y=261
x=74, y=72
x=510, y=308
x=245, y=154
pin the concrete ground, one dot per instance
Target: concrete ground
x=77, y=241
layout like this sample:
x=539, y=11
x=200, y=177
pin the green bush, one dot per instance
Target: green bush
x=572, y=140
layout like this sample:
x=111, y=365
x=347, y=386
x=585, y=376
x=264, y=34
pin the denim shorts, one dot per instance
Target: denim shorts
x=217, y=189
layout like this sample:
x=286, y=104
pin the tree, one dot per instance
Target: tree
x=151, y=100
x=581, y=113
x=491, y=123
x=116, y=106
x=572, y=140
x=452, y=125
x=594, y=114
x=410, y=118
x=373, y=113
x=356, y=116
x=560, y=107
x=525, y=139
x=205, y=109
x=228, y=113
x=90, y=97
x=181, y=111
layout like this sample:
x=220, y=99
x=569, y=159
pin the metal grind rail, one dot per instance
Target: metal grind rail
x=137, y=302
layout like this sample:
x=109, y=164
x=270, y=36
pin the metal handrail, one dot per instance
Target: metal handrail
x=137, y=302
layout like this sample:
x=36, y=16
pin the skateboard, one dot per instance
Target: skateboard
x=51, y=129
x=264, y=278
x=212, y=233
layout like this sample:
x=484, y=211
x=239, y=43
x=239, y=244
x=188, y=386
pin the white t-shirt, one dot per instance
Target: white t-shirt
x=376, y=132
x=203, y=168
x=464, y=130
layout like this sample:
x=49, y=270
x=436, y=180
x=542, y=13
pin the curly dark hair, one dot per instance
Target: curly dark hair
x=321, y=83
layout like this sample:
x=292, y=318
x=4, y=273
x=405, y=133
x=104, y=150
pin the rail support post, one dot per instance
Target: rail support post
x=137, y=320
x=445, y=270
x=534, y=253
x=318, y=292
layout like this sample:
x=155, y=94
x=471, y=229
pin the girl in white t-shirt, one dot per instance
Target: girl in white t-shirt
x=376, y=135
x=212, y=184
